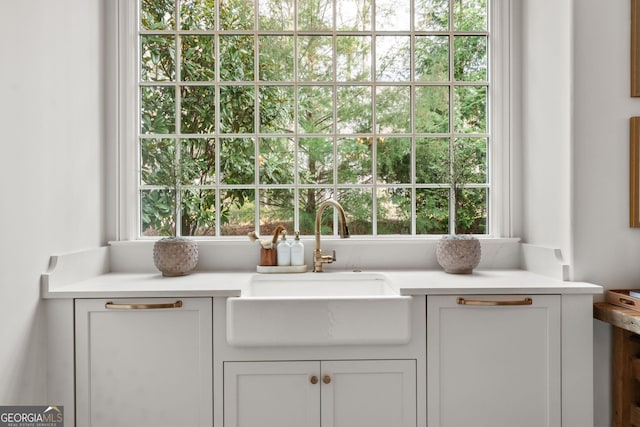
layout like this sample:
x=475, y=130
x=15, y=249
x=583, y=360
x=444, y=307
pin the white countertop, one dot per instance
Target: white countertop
x=91, y=274
x=228, y=284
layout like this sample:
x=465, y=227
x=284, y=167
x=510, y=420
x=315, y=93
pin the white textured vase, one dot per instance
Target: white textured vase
x=458, y=254
x=175, y=256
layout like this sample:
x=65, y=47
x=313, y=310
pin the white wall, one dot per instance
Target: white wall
x=51, y=177
x=546, y=122
x=606, y=250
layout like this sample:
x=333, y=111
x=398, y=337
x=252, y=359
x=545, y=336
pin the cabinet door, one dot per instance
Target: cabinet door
x=140, y=364
x=369, y=393
x=493, y=365
x=272, y=394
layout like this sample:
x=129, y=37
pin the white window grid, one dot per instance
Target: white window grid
x=498, y=155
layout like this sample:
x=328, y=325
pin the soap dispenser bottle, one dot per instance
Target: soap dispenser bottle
x=284, y=251
x=297, y=251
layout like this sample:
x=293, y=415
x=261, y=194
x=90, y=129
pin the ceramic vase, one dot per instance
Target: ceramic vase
x=458, y=254
x=175, y=256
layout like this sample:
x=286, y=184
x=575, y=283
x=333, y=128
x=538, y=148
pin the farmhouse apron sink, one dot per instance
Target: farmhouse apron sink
x=318, y=309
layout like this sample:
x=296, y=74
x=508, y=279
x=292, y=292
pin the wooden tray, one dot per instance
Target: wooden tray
x=628, y=298
x=275, y=269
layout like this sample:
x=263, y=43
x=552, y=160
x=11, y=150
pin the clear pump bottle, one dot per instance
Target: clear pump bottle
x=284, y=251
x=297, y=251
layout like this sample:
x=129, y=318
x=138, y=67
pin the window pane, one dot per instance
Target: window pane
x=198, y=58
x=355, y=113
x=157, y=214
x=315, y=160
x=276, y=109
x=197, y=14
x=315, y=109
x=236, y=14
x=198, y=161
x=310, y=199
x=470, y=58
x=471, y=159
x=394, y=211
x=432, y=211
x=470, y=109
x=157, y=109
x=355, y=160
x=393, y=58
x=236, y=58
x=315, y=61
x=432, y=160
x=315, y=15
x=276, y=162
x=353, y=61
x=198, y=216
x=156, y=62
x=237, y=109
x=358, y=207
x=394, y=160
x=471, y=211
x=470, y=15
x=353, y=15
x=393, y=15
x=275, y=14
x=432, y=58
x=157, y=14
x=432, y=15
x=432, y=109
x=276, y=208
x=237, y=161
x=393, y=109
x=198, y=109
x=237, y=207
x=157, y=157
x=276, y=58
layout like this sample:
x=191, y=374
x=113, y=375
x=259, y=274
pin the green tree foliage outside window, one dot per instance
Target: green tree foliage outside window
x=252, y=112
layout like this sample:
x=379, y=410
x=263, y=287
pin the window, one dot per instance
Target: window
x=252, y=112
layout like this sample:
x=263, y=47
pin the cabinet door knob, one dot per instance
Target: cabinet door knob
x=314, y=379
x=326, y=379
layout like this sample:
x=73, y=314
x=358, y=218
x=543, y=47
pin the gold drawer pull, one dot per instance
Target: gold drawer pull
x=462, y=301
x=314, y=379
x=326, y=379
x=115, y=306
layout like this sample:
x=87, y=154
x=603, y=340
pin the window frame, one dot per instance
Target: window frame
x=122, y=109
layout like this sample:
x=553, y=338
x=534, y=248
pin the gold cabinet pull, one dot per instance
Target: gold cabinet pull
x=115, y=306
x=463, y=301
x=326, y=379
x=313, y=379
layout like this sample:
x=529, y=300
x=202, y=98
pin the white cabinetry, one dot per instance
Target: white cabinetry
x=371, y=393
x=494, y=361
x=144, y=362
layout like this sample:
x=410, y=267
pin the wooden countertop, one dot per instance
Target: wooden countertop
x=620, y=317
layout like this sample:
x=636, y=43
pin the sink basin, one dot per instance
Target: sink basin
x=318, y=309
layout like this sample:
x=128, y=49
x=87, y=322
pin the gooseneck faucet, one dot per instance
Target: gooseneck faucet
x=318, y=258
